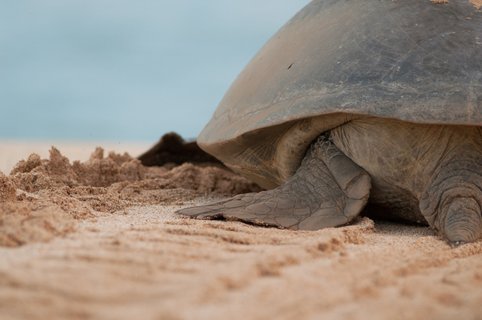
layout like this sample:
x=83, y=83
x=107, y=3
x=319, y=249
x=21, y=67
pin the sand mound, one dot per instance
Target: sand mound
x=7, y=189
x=41, y=197
x=35, y=174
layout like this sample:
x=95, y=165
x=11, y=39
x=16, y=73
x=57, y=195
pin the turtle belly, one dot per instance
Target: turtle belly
x=398, y=156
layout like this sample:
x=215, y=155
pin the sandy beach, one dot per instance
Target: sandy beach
x=99, y=239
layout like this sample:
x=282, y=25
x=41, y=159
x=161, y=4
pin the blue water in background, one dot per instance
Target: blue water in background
x=122, y=69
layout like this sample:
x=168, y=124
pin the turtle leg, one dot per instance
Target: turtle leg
x=452, y=201
x=327, y=190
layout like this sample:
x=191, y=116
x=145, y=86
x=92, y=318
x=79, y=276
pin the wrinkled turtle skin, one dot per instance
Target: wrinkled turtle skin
x=359, y=77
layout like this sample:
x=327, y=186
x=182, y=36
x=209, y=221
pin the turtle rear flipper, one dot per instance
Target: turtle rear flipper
x=327, y=190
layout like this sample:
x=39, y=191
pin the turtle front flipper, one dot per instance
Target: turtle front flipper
x=327, y=190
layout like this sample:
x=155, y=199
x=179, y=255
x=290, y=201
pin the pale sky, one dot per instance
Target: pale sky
x=124, y=70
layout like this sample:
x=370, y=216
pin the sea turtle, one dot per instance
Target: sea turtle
x=356, y=102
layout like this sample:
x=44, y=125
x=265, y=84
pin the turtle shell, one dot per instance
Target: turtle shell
x=412, y=60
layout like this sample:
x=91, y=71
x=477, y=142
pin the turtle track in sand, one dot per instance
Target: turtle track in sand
x=145, y=262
